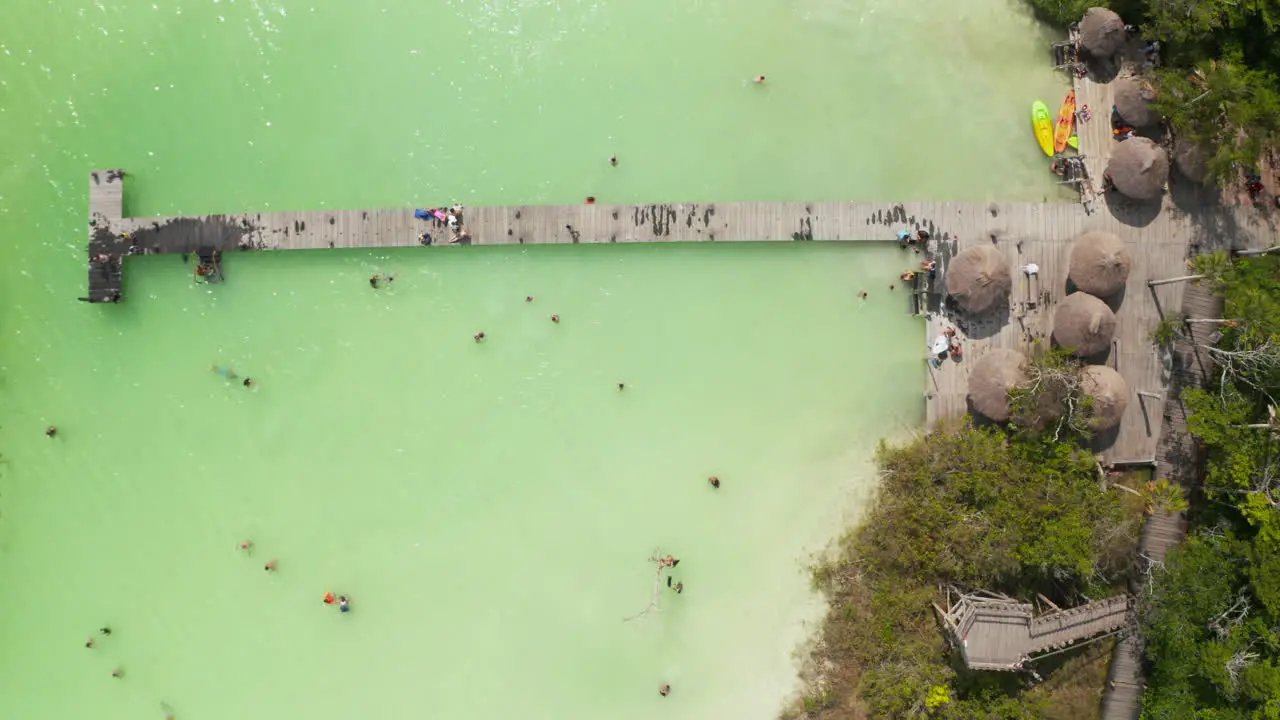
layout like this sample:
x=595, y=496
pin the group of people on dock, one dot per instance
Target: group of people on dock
x=449, y=217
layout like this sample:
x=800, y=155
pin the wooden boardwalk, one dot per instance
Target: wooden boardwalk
x=996, y=634
x=1024, y=232
x=1181, y=460
x=1095, y=135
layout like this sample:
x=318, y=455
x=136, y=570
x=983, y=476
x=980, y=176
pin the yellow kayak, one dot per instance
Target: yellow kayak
x=1042, y=123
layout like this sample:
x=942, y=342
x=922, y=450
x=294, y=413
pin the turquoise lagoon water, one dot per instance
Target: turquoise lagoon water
x=489, y=507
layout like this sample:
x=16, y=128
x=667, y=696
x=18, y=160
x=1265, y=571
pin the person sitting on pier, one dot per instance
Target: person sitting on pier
x=905, y=238
x=930, y=266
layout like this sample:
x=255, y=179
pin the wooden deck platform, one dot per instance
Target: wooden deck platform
x=1159, y=240
x=995, y=634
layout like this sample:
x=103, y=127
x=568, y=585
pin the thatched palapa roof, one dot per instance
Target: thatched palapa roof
x=1133, y=102
x=991, y=379
x=1084, y=324
x=1099, y=263
x=979, y=278
x=1139, y=168
x=1101, y=32
x=1110, y=395
x=1191, y=160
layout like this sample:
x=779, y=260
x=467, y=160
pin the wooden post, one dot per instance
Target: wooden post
x=1183, y=278
x=1048, y=602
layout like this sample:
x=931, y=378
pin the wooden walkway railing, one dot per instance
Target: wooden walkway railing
x=1002, y=634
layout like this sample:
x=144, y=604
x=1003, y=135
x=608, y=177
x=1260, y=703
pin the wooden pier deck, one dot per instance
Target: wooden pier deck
x=1024, y=232
x=1003, y=635
x=1096, y=139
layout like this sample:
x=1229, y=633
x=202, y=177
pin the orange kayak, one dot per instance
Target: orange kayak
x=1066, y=122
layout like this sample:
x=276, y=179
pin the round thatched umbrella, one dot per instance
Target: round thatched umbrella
x=1133, y=102
x=979, y=278
x=1084, y=324
x=1101, y=32
x=991, y=379
x=1110, y=395
x=1191, y=160
x=1139, y=168
x=1099, y=263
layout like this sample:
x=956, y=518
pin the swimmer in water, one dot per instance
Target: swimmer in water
x=373, y=281
x=227, y=373
x=622, y=386
x=863, y=295
x=613, y=160
x=247, y=546
x=715, y=482
x=330, y=598
x=759, y=80
x=117, y=673
x=528, y=298
x=105, y=630
x=679, y=588
x=88, y=643
x=270, y=566
x=664, y=689
x=248, y=382
x=479, y=336
x=344, y=603
x=51, y=431
x=555, y=318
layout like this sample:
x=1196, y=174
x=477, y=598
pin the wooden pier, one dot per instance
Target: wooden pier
x=1159, y=239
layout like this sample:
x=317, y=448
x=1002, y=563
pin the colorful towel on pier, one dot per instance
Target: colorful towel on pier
x=421, y=214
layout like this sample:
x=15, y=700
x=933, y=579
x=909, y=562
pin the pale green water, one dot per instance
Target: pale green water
x=490, y=507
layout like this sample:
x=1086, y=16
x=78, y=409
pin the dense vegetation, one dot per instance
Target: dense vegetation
x=975, y=508
x=1213, y=619
x=1218, y=83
